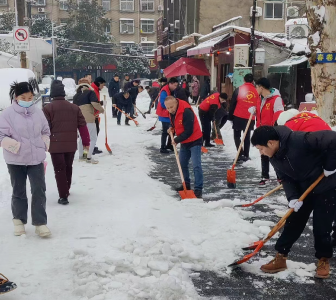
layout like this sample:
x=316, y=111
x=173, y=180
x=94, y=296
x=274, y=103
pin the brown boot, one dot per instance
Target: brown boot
x=276, y=265
x=323, y=268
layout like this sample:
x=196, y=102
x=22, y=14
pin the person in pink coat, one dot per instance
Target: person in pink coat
x=24, y=137
x=195, y=87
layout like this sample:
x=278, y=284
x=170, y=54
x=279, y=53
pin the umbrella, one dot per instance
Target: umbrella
x=183, y=66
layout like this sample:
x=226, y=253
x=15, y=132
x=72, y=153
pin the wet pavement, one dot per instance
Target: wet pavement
x=241, y=284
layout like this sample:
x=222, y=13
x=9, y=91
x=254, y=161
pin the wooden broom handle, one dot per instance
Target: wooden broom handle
x=105, y=117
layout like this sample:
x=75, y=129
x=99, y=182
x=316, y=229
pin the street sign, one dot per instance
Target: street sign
x=322, y=58
x=21, y=38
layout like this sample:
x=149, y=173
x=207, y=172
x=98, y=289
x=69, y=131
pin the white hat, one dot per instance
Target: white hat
x=287, y=115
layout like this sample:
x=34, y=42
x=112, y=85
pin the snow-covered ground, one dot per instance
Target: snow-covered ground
x=124, y=235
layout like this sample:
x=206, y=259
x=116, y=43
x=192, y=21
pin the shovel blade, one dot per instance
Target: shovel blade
x=248, y=256
x=108, y=148
x=187, y=194
x=219, y=142
x=204, y=150
x=136, y=122
x=231, y=179
x=253, y=246
x=151, y=129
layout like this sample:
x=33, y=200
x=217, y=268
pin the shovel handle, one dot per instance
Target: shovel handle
x=264, y=196
x=243, y=139
x=105, y=118
x=178, y=163
x=214, y=125
x=125, y=114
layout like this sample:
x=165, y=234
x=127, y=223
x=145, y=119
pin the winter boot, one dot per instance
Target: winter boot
x=42, y=231
x=92, y=161
x=63, y=201
x=5, y=285
x=164, y=150
x=118, y=123
x=198, y=194
x=96, y=151
x=276, y=265
x=127, y=122
x=19, y=228
x=180, y=188
x=323, y=268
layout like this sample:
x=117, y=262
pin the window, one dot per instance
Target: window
x=147, y=5
x=106, y=5
x=273, y=10
x=147, y=26
x=39, y=16
x=148, y=48
x=3, y=2
x=40, y=2
x=127, y=5
x=63, y=5
x=108, y=29
x=127, y=26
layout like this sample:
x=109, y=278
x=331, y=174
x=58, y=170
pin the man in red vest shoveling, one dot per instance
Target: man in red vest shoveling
x=185, y=125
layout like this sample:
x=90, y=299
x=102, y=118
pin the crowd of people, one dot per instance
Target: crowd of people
x=300, y=146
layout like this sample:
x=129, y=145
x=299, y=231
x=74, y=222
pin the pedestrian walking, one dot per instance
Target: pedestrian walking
x=207, y=111
x=299, y=158
x=269, y=107
x=195, y=87
x=188, y=133
x=123, y=102
x=163, y=114
x=88, y=103
x=97, y=86
x=24, y=137
x=64, y=120
x=243, y=98
x=113, y=89
x=221, y=117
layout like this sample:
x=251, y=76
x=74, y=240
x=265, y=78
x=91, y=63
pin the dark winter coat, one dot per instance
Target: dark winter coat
x=114, y=87
x=125, y=82
x=205, y=90
x=64, y=120
x=154, y=92
x=128, y=85
x=134, y=91
x=121, y=101
x=301, y=159
x=181, y=94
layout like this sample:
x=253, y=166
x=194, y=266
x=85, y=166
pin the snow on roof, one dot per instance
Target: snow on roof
x=294, y=60
x=144, y=19
x=126, y=19
x=299, y=21
x=300, y=45
x=185, y=46
x=228, y=21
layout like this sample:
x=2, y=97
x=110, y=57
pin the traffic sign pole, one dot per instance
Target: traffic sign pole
x=21, y=4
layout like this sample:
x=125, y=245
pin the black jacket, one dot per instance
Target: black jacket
x=128, y=85
x=114, y=87
x=233, y=104
x=134, y=91
x=301, y=159
x=154, y=92
x=181, y=94
x=121, y=101
x=205, y=90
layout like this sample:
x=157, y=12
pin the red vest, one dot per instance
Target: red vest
x=266, y=114
x=160, y=111
x=247, y=97
x=96, y=90
x=179, y=129
x=307, y=122
x=211, y=100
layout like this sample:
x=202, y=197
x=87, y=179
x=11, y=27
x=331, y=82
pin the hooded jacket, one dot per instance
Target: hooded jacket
x=30, y=128
x=269, y=108
x=301, y=159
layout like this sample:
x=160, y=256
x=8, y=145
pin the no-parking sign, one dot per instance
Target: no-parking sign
x=21, y=38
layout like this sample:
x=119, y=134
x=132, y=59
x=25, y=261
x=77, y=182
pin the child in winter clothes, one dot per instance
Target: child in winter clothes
x=24, y=137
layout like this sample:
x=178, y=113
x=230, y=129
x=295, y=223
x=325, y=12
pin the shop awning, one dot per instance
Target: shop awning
x=207, y=46
x=285, y=66
x=183, y=66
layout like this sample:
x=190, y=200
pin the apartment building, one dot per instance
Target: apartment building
x=131, y=21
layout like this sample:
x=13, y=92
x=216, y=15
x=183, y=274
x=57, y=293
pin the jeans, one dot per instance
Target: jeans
x=247, y=143
x=165, y=135
x=132, y=111
x=62, y=163
x=18, y=176
x=195, y=154
x=324, y=209
x=93, y=139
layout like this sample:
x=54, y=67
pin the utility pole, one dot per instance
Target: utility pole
x=21, y=4
x=252, y=50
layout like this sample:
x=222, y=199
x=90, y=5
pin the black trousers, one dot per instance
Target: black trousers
x=126, y=108
x=97, y=125
x=18, y=176
x=165, y=135
x=206, y=125
x=247, y=141
x=114, y=110
x=323, y=206
x=265, y=166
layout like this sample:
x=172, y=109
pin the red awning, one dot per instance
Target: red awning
x=184, y=66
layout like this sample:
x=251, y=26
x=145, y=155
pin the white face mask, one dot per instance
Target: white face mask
x=25, y=104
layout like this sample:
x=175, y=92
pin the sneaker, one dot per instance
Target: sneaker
x=118, y=123
x=19, y=228
x=209, y=145
x=323, y=268
x=180, y=188
x=263, y=182
x=276, y=265
x=170, y=147
x=42, y=231
x=198, y=194
x=164, y=151
x=5, y=285
x=63, y=201
x=127, y=124
x=92, y=161
x=97, y=151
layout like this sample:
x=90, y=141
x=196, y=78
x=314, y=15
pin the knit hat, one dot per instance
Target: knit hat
x=287, y=115
x=57, y=89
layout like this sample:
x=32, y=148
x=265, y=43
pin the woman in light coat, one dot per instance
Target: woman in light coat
x=24, y=137
x=195, y=87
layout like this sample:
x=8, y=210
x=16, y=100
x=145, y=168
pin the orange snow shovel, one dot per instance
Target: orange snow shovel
x=136, y=122
x=262, y=197
x=258, y=245
x=204, y=150
x=185, y=194
x=217, y=140
x=231, y=174
x=106, y=143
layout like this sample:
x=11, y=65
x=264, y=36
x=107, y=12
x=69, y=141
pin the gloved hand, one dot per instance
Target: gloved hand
x=328, y=173
x=252, y=110
x=295, y=204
